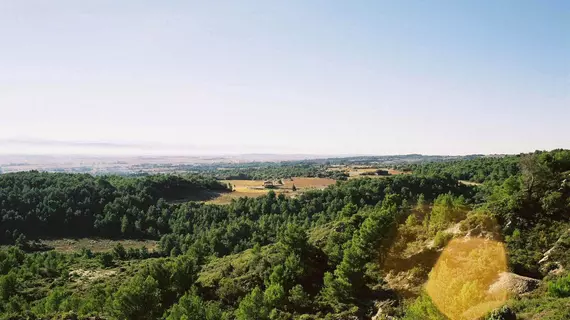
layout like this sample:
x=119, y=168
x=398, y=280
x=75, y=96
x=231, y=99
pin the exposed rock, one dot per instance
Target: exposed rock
x=405, y=283
x=382, y=307
x=454, y=229
x=553, y=268
x=546, y=255
x=513, y=284
x=453, y=232
x=554, y=259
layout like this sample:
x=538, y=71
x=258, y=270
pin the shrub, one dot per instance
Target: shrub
x=560, y=288
x=504, y=313
x=423, y=308
x=446, y=209
x=479, y=222
x=412, y=220
x=106, y=259
x=441, y=239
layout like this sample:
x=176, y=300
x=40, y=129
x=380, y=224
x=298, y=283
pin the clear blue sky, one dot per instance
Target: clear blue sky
x=319, y=77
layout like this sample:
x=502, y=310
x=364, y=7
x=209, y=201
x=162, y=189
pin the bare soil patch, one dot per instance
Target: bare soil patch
x=470, y=183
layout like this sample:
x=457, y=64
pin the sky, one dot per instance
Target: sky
x=292, y=77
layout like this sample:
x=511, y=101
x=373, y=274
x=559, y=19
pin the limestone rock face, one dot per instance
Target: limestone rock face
x=514, y=283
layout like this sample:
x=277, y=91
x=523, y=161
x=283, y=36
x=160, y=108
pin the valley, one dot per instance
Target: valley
x=341, y=239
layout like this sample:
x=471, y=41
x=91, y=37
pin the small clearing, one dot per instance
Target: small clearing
x=470, y=183
x=91, y=275
x=97, y=245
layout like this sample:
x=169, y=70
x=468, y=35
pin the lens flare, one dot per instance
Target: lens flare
x=459, y=282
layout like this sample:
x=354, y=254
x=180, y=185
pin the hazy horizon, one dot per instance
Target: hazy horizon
x=295, y=77
x=31, y=147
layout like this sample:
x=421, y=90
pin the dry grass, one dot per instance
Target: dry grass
x=361, y=170
x=226, y=198
x=470, y=183
x=308, y=183
x=395, y=172
x=244, y=183
x=336, y=168
x=97, y=245
x=91, y=275
x=254, y=188
x=356, y=171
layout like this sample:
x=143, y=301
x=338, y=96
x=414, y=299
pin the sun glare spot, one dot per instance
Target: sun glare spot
x=459, y=282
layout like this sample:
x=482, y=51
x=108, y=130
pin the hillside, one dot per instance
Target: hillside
x=411, y=246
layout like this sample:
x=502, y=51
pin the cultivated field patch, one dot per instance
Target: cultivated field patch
x=256, y=188
x=358, y=171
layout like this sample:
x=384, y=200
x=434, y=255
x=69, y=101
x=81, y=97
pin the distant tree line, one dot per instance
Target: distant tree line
x=477, y=170
x=379, y=172
x=277, y=172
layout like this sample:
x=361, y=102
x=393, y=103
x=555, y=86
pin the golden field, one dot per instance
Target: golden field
x=254, y=188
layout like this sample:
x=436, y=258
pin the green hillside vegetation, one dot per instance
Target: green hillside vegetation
x=357, y=249
x=35, y=204
x=475, y=170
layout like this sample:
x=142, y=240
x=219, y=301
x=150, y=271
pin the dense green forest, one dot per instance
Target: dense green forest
x=325, y=254
x=35, y=204
x=476, y=170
